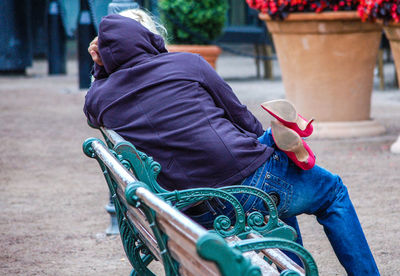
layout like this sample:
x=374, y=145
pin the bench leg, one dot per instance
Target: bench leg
x=113, y=227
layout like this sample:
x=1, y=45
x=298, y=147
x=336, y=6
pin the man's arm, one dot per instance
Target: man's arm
x=226, y=99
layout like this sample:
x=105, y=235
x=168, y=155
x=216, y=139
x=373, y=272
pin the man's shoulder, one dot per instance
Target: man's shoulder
x=185, y=64
x=183, y=57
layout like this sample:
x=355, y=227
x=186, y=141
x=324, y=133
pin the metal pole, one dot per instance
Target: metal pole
x=15, y=37
x=86, y=33
x=117, y=6
x=56, y=40
x=39, y=30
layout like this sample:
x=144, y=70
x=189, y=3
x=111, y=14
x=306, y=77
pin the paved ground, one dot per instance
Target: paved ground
x=52, y=197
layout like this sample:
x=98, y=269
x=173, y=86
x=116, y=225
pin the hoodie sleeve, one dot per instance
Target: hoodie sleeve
x=99, y=72
x=92, y=121
x=226, y=99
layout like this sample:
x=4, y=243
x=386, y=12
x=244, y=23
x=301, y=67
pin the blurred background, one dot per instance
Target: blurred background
x=52, y=197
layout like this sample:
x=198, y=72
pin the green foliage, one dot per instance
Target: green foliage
x=193, y=21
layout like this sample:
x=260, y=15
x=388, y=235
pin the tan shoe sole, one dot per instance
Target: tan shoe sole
x=288, y=140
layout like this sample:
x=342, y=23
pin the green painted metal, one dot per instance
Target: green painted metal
x=255, y=220
x=212, y=246
x=143, y=166
x=138, y=255
x=310, y=266
x=229, y=260
x=146, y=170
x=287, y=272
x=170, y=266
x=222, y=224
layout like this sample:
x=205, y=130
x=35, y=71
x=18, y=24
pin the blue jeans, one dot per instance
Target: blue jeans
x=317, y=192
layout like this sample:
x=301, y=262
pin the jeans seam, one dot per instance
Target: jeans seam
x=284, y=187
x=259, y=175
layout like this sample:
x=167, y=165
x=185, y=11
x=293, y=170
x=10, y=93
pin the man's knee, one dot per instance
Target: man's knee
x=340, y=189
x=337, y=191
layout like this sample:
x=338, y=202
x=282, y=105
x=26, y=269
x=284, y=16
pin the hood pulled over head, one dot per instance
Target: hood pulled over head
x=124, y=42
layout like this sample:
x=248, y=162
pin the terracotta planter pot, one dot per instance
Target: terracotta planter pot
x=209, y=52
x=327, y=62
x=393, y=34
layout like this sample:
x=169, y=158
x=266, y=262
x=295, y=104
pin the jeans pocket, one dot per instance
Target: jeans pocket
x=280, y=190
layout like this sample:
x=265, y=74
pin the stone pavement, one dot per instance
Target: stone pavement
x=52, y=197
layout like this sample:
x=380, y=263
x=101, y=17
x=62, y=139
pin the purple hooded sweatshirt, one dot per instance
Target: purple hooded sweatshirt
x=174, y=107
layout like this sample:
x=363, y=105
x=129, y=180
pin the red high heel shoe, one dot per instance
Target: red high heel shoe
x=285, y=112
x=291, y=143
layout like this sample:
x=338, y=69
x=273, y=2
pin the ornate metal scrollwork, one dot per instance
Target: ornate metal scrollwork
x=154, y=167
x=288, y=272
x=141, y=165
x=222, y=224
x=132, y=245
x=246, y=245
x=256, y=221
x=87, y=147
x=230, y=262
x=170, y=265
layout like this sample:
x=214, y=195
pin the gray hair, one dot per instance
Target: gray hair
x=147, y=20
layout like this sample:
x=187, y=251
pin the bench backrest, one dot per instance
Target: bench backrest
x=183, y=246
x=142, y=166
x=135, y=226
x=146, y=170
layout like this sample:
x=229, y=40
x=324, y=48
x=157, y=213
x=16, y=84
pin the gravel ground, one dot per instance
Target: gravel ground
x=52, y=197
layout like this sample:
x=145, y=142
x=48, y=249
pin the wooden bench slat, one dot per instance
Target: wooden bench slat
x=279, y=258
x=170, y=228
x=136, y=213
x=114, y=137
x=188, y=258
x=266, y=269
x=166, y=211
x=119, y=172
x=256, y=259
x=185, y=272
x=147, y=238
x=138, y=218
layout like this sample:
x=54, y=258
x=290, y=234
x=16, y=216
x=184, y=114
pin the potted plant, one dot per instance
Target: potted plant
x=327, y=56
x=388, y=13
x=193, y=25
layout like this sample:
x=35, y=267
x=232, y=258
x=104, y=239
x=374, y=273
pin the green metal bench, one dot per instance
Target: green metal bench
x=147, y=232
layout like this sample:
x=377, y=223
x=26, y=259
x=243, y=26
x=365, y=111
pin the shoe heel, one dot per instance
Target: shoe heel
x=291, y=143
x=281, y=109
x=285, y=112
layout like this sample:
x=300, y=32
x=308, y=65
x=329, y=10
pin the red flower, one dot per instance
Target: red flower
x=281, y=8
x=385, y=10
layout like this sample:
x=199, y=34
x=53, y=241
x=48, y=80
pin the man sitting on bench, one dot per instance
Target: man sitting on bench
x=176, y=108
